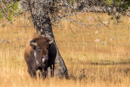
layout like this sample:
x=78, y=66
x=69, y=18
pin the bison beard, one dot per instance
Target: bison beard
x=40, y=55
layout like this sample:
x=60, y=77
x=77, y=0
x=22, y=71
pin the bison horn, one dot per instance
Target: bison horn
x=51, y=41
x=33, y=43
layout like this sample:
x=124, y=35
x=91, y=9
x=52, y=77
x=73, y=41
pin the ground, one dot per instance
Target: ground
x=95, y=54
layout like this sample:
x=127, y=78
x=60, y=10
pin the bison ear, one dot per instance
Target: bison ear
x=33, y=44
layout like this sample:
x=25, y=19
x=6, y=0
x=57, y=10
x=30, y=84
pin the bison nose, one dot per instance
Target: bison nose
x=44, y=59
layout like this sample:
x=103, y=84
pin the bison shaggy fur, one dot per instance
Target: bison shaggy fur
x=40, y=54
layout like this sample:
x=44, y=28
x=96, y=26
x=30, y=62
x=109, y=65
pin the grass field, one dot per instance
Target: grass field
x=95, y=55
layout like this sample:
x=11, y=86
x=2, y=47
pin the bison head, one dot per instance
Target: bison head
x=40, y=45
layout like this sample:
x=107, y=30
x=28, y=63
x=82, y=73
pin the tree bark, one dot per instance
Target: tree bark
x=39, y=10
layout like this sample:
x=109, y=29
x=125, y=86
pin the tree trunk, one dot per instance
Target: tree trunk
x=40, y=17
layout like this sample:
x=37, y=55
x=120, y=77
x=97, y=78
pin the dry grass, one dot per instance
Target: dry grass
x=95, y=55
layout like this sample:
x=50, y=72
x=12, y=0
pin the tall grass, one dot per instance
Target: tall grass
x=95, y=55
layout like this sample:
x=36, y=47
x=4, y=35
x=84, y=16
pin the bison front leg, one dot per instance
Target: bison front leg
x=40, y=74
x=44, y=74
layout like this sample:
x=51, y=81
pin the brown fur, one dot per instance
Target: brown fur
x=47, y=51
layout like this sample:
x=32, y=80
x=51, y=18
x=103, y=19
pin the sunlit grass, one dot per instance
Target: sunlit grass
x=95, y=55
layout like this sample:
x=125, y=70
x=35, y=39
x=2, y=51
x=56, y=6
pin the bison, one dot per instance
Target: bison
x=40, y=54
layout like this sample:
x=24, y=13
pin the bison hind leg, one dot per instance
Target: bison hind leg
x=42, y=74
x=52, y=67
